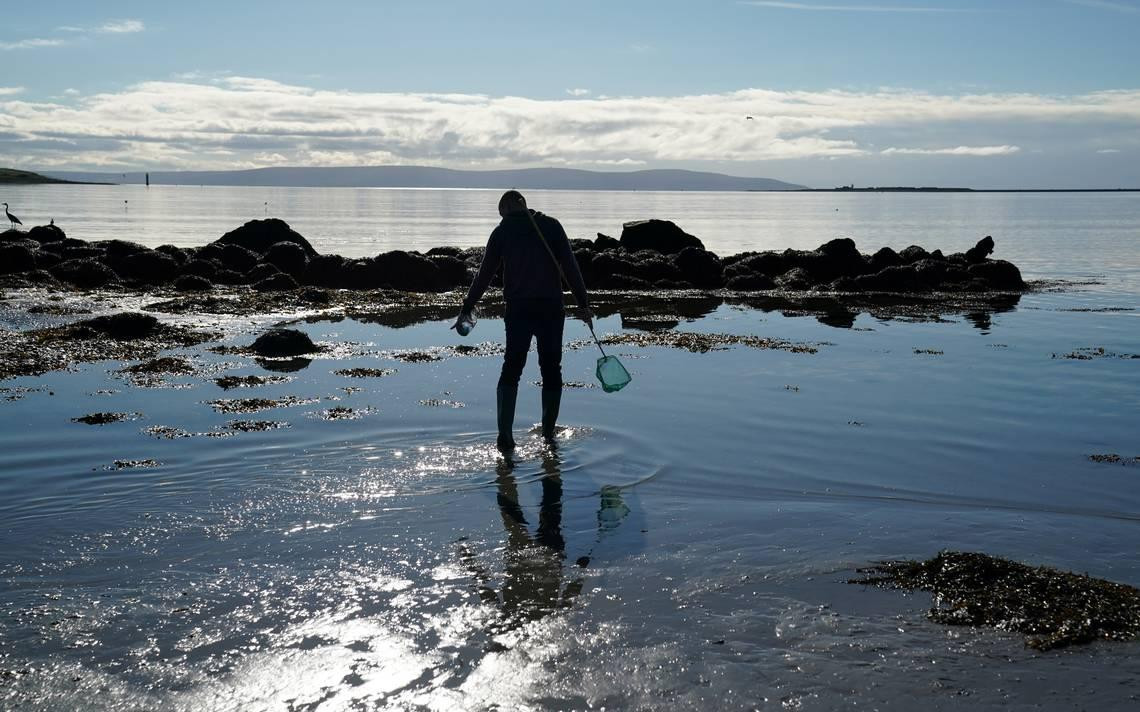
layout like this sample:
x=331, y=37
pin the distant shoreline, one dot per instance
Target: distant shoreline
x=960, y=190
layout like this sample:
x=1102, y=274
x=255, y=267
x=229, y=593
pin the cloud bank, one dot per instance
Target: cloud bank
x=242, y=122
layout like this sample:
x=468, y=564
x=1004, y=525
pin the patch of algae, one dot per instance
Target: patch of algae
x=702, y=343
x=1053, y=608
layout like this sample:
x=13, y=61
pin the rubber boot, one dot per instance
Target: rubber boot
x=505, y=397
x=551, y=399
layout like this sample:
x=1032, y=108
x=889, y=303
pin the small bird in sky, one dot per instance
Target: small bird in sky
x=12, y=219
x=748, y=117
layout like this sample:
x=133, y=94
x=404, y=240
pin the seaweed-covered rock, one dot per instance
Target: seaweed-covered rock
x=751, y=282
x=175, y=252
x=238, y=258
x=199, y=267
x=452, y=271
x=85, y=273
x=407, y=271
x=279, y=282
x=661, y=235
x=327, y=271
x=260, y=235
x=1053, y=608
x=192, y=283
x=699, y=267
x=981, y=250
x=228, y=276
x=119, y=249
x=148, y=267
x=446, y=250
x=46, y=259
x=288, y=257
x=16, y=257
x=279, y=343
x=795, y=278
x=605, y=242
x=998, y=274
x=885, y=257
x=912, y=254
x=260, y=272
x=124, y=326
x=47, y=233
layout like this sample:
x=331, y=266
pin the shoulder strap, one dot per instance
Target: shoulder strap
x=549, y=251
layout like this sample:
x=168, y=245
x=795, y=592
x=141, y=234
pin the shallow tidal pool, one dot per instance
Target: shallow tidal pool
x=354, y=541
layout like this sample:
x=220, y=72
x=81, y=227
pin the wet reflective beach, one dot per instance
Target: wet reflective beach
x=686, y=544
x=338, y=532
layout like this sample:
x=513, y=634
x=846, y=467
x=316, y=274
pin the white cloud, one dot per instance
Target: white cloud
x=778, y=4
x=1109, y=150
x=240, y=121
x=71, y=92
x=578, y=92
x=31, y=43
x=9, y=91
x=1107, y=5
x=956, y=151
x=121, y=27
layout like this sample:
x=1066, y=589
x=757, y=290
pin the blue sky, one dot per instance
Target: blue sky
x=989, y=94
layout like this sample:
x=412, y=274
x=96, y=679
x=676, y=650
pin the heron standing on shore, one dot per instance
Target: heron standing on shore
x=12, y=219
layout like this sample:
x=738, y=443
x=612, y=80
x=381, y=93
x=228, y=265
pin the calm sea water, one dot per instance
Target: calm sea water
x=1047, y=234
x=685, y=547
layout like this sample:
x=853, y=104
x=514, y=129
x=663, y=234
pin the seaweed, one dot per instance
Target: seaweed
x=701, y=343
x=105, y=418
x=228, y=382
x=1053, y=608
x=365, y=372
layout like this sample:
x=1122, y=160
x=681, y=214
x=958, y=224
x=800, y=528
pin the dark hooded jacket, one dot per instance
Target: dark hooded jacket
x=528, y=271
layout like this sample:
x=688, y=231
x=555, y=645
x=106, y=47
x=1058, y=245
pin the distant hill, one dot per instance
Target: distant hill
x=11, y=176
x=429, y=177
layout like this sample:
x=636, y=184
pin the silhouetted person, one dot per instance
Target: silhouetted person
x=532, y=289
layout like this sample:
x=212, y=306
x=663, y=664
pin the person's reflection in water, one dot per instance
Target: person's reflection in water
x=537, y=580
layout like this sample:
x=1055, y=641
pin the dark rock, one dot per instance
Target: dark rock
x=998, y=274
x=751, y=282
x=699, y=267
x=47, y=233
x=605, y=242
x=117, y=250
x=661, y=235
x=13, y=235
x=327, y=271
x=192, y=283
x=125, y=326
x=769, y=264
x=885, y=257
x=201, y=268
x=278, y=343
x=213, y=252
x=452, y=271
x=79, y=253
x=260, y=272
x=577, y=243
x=148, y=267
x=288, y=257
x=260, y=235
x=446, y=250
x=228, y=276
x=407, y=271
x=912, y=254
x=929, y=272
x=841, y=248
x=46, y=259
x=900, y=278
x=937, y=255
x=84, y=273
x=279, y=282
x=15, y=258
x=238, y=258
x=176, y=252
x=980, y=251
x=795, y=278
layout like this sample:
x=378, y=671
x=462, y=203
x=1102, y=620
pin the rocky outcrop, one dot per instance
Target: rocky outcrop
x=280, y=343
x=267, y=255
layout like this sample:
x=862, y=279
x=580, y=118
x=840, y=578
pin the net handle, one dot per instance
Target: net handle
x=561, y=273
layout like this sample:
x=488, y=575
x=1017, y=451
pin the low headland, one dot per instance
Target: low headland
x=11, y=176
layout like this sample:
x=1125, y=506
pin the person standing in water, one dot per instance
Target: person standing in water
x=532, y=289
